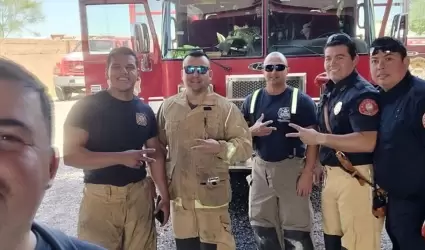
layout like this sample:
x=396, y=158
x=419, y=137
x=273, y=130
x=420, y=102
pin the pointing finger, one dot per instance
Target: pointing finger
x=200, y=140
x=267, y=123
x=293, y=135
x=295, y=126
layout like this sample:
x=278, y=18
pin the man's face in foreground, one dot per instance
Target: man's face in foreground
x=27, y=161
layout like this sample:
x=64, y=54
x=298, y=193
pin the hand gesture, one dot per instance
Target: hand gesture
x=209, y=146
x=260, y=128
x=308, y=136
x=305, y=183
x=135, y=158
x=164, y=206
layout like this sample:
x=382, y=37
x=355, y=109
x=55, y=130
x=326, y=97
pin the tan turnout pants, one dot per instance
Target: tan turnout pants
x=347, y=209
x=273, y=199
x=118, y=218
x=212, y=225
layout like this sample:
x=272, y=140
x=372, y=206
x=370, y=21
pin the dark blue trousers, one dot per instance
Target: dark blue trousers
x=404, y=223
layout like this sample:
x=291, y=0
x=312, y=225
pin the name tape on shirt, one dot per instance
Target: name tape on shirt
x=368, y=107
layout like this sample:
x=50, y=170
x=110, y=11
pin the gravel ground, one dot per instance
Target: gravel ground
x=60, y=206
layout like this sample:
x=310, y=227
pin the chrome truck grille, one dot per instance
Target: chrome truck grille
x=240, y=86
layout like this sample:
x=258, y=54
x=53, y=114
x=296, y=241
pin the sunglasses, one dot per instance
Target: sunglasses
x=202, y=70
x=277, y=67
x=386, y=49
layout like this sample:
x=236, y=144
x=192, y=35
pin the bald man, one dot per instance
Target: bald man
x=282, y=171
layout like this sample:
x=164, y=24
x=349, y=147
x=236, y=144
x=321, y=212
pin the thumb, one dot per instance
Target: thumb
x=261, y=118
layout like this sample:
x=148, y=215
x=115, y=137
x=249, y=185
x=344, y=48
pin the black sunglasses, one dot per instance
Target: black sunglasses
x=200, y=69
x=392, y=48
x=277, y=67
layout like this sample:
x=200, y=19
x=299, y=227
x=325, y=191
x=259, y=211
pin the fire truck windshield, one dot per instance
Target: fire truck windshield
x=225, y=28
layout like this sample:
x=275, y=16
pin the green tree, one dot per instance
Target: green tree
x=17, y=15
x=417, y=16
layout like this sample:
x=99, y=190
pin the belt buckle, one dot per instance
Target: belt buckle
x=213, y=180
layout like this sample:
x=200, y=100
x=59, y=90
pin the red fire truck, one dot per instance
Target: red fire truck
x=416, y=50
x=236, y=34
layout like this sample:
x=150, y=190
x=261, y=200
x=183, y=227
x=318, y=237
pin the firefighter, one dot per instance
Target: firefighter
x=279, y=204
x=104, y=134
x=400, y=152
x=28, y=163
x=348, y=115
x=205, y=134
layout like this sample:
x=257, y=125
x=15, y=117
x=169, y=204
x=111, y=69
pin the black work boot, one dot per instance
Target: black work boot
x=297, y=240
x=266, y=238
x=208, y=246
x=333, y=242
x=190, y=243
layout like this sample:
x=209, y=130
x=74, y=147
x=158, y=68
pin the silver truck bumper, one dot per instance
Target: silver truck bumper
x=69, y=81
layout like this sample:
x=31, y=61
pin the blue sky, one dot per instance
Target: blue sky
x=62, y=17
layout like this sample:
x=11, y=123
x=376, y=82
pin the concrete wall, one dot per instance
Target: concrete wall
x=37, y=55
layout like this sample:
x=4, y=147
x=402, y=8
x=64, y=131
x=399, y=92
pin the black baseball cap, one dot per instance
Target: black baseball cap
x=342, y=39
x=339, y=39
x=387, y=44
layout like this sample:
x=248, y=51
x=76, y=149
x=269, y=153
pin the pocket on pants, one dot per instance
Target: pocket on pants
x=215, y=227
x=183, y=221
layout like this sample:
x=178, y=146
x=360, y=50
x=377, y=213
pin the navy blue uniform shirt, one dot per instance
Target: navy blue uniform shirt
x=399, y=158
x=352, y=106
x=276, y=146
x=113, y=126
x=52, y=239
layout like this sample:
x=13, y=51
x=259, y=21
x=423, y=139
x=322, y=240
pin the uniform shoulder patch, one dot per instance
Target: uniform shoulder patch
x=368, y=107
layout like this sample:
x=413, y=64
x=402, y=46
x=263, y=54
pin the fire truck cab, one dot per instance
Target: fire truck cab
x=236, y=34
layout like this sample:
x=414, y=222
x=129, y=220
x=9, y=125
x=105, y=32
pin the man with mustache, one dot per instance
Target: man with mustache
x=28, y=163
x=399, y=159
x=104, y=134
x=348, y=115
x=281, y=182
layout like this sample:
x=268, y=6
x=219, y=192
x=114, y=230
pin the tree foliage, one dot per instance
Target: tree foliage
x=417, y=16
x=17, y=15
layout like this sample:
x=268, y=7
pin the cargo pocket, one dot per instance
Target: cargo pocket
x=214, y=191
x=215, y=228
x=183, y=221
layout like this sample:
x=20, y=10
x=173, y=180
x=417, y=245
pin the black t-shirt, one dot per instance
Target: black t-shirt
x=276, y=146
x=113, y=126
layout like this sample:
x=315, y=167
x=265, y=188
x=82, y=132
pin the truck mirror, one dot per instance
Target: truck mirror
x=399, y=27
x=360, y=9
x=403, y=28
x=142, y=39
